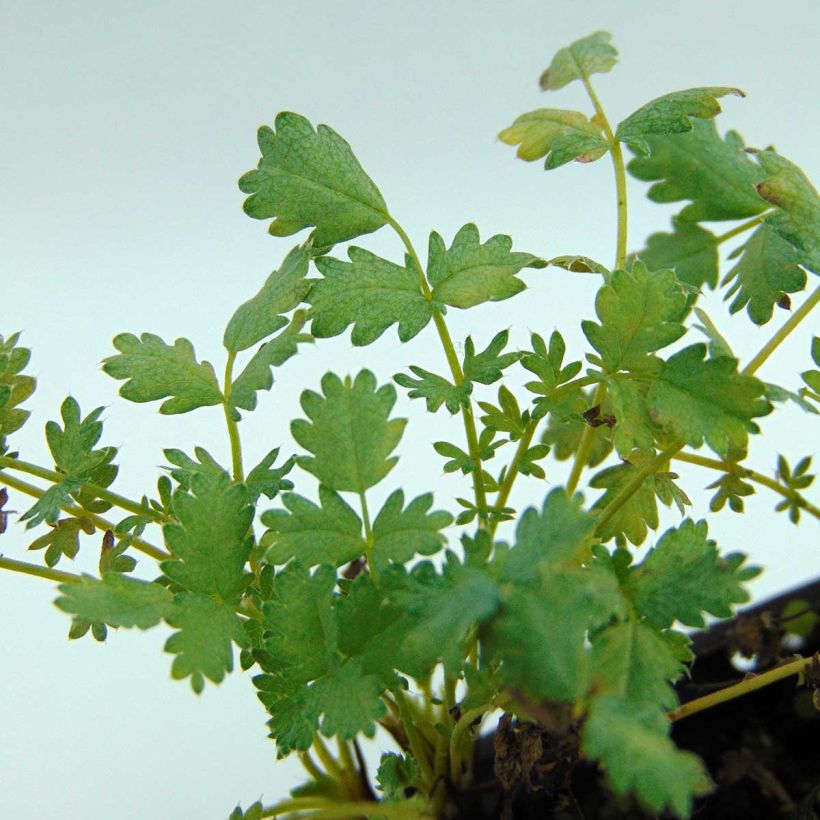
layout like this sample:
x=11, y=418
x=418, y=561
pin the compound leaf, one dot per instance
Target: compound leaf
x=436, y=390
x=589, y=55
x=72, y=446
x=486, y=367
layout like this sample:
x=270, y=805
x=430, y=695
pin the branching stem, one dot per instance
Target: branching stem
x=742, y=228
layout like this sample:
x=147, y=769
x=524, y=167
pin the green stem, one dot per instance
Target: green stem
x=512, y=471
x=620, y=174
x=40, y=572
x=455, y=369
x=326, y=758
x=742, y=228
x=310, y=766
x=788, y=326
x=744, y=472
x=325, y=810
x=417, y=745
x=100, y=492
x=457, y=737
x=739, y=689
x=79, y=512
x=585, y=444
x=368, y=539
x=233, y=427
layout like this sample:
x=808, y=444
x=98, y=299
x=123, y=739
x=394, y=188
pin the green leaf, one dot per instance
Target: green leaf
x=63, y=539
x=436, y=390
x=560, y=136
x=265, y=479
x=671, y=114
x=768, y=268
x=396, y=774
x=640, y=312
x=311, y=178
x=184, y=468
x=709, y=400
x=626, y=402
x=579, y=264
x=589, y=55
x=116, y=600
x=634, y=661
x=812, y=377
x=689, y=250
x=630, y=741
x=717, y=175
x=47, y=507
x=369, y=293
x=798, y=218
x=469, y=273
x=731, y=488
x=486, y=367
x=210, y=543
x=275, y=352
x=684, y=576
x=259, y=317
x=154, y=370
x=326, y=534
x=349, y=432
x=459, y=460
x=401, y=532
x=254, y=812
x=204, y=644
x=15, y=387
x=718, y=346
x=566, y=424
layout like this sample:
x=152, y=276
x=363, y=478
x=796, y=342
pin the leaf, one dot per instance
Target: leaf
x=768, y=268
x=259, y=317
x=469, y=273
x=47, y=507
x=579, y=264
x=204, y=644
x=565, y=426
x=370, y=293
x=326, y=534
x=589, y=55
x=311, y=178
x=714, y=173
x=486, y=367
x=436, y=390
x=707, y=400
x=718, y=346
x=396, y=774
x=731, y=488
x=560, y=136
x=184, y=468
x=630, y=741
x=210, y=543
x=15, y=387
x=689, y=250
x=459, y=460
x=640, y=312
x=116, y=600
x=684, y=576
x=154, y=370
x=349, y=432
x=275, y=352
x=267, y=480
x=63, y=539
x=401, y=532
x=626, y=402
x=798, y=218
x=670, y=114
x=812, y=377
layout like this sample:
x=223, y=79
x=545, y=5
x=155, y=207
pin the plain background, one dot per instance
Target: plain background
x=124, y=130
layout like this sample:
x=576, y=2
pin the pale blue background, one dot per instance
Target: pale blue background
x=124, y=129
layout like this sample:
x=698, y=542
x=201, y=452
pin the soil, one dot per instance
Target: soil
x=762, y=750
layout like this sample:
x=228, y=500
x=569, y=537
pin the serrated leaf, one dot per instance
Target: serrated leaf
x=265, y=479
x=369, y=293
x=326, y=534
x=15, y=387
x=435, y=389
x=671, y=114
x=630, y=742
x=260, y=317
x=684, y=576
x=714, y=173
x=204, y=644
x=47, y=507
x=640, y=313
x=401, y=532
x=469, y=273
x=311, y=178
x=560, y=136
x=63, y=539
x=691, y=251
x=589, y=55
x=183, y=468
x=701, y=400
x=486, y=367
x=257, y=374
x=768, y=268
x=210, y=543
x=349, y=433
x=154, y=370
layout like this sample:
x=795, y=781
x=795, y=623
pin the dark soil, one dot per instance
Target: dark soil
x=762, y=750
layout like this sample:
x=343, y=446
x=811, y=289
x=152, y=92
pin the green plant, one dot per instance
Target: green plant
x=348, y=630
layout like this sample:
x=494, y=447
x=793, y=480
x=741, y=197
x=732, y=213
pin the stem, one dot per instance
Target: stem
x=309, y=765
x=745, y=226
x=79, y=512
x=100, y=492
x=461, y=728
x=325, y=810
x=233, y=427
x=739, y=689
x=620, y=174
x=743, y=472
x=455, y=369
x=330, y=763
x=40, y=572
x=788, y=326
x=585, y=444
x=512, y=472
x=368, y=539
x=414, y=738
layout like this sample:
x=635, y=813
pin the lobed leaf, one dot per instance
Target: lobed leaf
x=15, y=387
x=436, y=390
x=691, y=251
x=486, y=367
x=589, y=55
